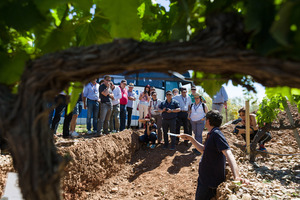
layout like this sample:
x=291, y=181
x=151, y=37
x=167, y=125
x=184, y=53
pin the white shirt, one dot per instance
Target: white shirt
x=154, y=106
x=184, y=102
x=197, y=112
x=117, y=95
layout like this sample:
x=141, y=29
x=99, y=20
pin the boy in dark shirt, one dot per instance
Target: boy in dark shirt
x=150, y=132
x=215, y=152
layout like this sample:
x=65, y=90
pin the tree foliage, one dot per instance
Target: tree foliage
x=31, y=28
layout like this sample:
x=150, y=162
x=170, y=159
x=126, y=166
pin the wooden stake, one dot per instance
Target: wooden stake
x=289, y=114
x=247, y=127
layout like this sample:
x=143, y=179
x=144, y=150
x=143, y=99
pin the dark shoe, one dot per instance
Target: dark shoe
x=98, y=134
x=198, y=153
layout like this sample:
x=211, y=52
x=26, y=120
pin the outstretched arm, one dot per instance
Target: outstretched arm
x=199, y=146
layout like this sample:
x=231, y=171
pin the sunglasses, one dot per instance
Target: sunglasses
x=169, y=94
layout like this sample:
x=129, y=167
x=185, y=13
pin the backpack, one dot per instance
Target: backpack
x=203, y=106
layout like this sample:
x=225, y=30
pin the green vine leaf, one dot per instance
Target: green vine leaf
x=123, y=16
x=92, y=33
x=74, y=91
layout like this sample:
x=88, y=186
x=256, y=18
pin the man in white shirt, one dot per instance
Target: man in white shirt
x=182, y=116
x=114, y=117
x=131, y=98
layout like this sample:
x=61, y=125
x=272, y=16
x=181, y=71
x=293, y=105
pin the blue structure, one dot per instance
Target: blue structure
x=157, y=79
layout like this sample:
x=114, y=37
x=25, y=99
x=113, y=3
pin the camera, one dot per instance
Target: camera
x=236, y=129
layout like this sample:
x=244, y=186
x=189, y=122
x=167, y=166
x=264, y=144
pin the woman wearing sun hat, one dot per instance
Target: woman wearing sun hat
x=197, y=118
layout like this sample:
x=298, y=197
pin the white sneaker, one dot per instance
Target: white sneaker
x=74, y=134
x=89, y=132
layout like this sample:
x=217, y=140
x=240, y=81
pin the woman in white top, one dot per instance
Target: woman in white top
x=144, y=103
x=197, y=117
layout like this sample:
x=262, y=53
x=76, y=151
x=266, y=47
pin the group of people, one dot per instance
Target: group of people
x=108, y=105
x=177, y=110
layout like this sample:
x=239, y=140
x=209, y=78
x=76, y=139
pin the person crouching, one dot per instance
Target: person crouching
x=150, y=133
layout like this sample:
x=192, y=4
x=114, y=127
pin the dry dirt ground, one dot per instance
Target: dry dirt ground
x=117, y=166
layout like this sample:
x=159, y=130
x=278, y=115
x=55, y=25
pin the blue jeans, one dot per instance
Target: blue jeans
x=122, y=117
x=105, y=117
x=92, y=108
x=198, y=127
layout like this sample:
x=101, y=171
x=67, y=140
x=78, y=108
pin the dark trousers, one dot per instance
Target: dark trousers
x=148, y=138
x=158, y=121
x=166, y=125
x=190, y=129
x=182, y=121
x=265, y=138
x=61, y=107
x=122, y=117
x=204, y=192
x=129, y=114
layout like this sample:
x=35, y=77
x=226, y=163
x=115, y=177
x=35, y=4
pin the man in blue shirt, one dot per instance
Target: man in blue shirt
x=185, y=102
x=169, y=109
x=219, y=100
x=91, y=100
x=215, y=151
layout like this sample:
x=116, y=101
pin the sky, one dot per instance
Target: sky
x=237, y=91
x=164, y=3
